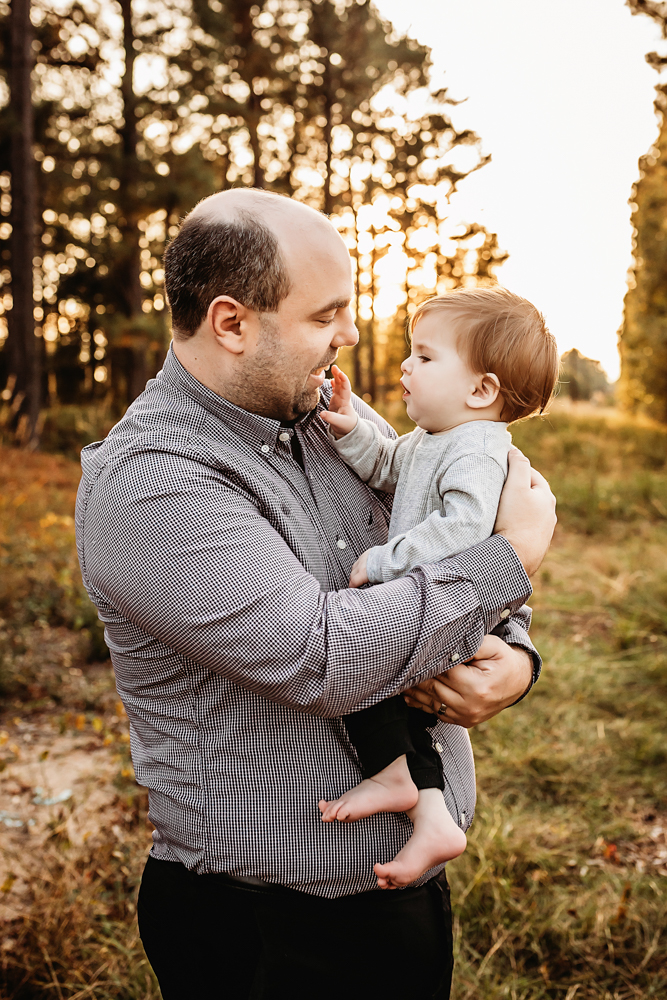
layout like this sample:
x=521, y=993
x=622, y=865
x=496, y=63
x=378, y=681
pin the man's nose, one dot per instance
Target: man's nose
x=346, y=334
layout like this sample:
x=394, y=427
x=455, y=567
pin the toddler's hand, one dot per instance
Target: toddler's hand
x=340, y=416
x=359, y=576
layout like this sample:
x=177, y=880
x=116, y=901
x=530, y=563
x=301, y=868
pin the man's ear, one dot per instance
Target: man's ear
x=484, y=392
x=231, y=323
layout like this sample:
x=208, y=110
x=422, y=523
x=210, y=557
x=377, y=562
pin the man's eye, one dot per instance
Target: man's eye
x=327, y=320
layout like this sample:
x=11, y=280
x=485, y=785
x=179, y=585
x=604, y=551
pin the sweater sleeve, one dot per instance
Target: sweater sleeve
x=375, y=458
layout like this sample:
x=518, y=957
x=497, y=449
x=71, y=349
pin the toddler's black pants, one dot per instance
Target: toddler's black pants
x=390, y=729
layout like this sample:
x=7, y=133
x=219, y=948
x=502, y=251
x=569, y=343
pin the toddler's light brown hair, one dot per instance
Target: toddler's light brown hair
x=502, y=333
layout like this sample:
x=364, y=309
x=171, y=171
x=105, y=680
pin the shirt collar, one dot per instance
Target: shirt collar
x=252, y=427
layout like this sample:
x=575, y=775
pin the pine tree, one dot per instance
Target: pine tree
x=108, y=192
x=24, y=354
x=643, y=335
x=311, y=98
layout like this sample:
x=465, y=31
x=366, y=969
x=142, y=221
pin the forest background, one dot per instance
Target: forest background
x=116, y=119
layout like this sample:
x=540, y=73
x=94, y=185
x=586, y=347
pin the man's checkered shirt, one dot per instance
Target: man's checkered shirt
x=219, y=567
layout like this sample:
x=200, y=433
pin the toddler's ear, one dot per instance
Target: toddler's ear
x=484, y=392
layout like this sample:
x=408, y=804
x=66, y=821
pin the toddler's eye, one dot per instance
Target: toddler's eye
x=422, y=357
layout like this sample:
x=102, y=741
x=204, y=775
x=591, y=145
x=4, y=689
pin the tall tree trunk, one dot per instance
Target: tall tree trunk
x=252, y=121
x=244, y=28
x=372, y=375
x=24, y=348
x=127, y=354
x=328, y=103
x=357, y=292
x=132, y=293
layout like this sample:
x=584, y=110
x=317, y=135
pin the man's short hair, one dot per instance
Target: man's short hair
x=239, y=257
x=502, y=333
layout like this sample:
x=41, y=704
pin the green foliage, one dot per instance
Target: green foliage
x=67, y=429
x=643, y=341
x=601, y=467
x=40, y=580
x=643, y=336
x=582, y=379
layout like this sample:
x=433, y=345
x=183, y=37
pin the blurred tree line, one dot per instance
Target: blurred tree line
x=583, y=379
x=117, y=117
x=643, y=335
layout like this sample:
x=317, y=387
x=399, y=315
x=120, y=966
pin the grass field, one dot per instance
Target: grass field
x=562, y=892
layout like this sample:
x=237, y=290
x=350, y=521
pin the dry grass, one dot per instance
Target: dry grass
x=563, y=890
x=562, y=893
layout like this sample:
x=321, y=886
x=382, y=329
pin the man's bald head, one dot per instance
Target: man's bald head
x=239, y=243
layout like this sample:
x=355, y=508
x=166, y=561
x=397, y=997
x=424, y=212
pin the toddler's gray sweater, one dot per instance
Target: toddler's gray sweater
x=447, y=489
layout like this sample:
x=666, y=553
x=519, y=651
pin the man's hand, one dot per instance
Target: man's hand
x=341, y=415
x=475, y=691
x=527, y=512
x=359, y=576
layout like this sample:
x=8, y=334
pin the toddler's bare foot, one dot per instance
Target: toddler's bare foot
x=391, y=790
x=436, y=838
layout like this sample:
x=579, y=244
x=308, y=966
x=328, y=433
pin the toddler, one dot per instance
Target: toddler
x=480, y=359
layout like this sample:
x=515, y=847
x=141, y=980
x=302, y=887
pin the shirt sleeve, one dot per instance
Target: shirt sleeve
x=201, y=570
x=469, y=491
x=375, y=458
x=517, y=635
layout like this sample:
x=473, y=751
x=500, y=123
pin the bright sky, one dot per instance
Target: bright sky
x=563, y=100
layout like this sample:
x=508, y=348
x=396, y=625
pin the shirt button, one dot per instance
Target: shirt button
x=462, y=819
x=265, y=448
x=341, y=543
x=455, y=657
x=505, y=613
x=283, y=437
x=438, y=747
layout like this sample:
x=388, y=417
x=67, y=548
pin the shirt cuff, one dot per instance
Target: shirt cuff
x=374, y=564
x=497, y=573
x=351, y=446
x=517, y=636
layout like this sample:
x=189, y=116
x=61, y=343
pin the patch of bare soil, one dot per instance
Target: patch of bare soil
x=66, y=781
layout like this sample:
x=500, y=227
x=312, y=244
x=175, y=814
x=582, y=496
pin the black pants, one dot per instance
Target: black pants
x=389, y=729
x=209, y=940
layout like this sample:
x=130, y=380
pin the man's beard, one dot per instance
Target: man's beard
x=265, y=385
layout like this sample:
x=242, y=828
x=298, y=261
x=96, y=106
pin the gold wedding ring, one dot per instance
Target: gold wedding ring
x=443, y=709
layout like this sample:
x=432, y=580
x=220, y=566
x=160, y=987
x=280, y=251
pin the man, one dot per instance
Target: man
x=216, y=531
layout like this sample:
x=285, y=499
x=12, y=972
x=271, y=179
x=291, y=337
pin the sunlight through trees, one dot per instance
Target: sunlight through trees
x=142, y=108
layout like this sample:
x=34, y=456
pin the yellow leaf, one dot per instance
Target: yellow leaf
x=8, y=883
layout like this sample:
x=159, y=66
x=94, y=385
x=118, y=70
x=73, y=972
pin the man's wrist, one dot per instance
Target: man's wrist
x=338, y=433
x=533, y=663
x=529, y=563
